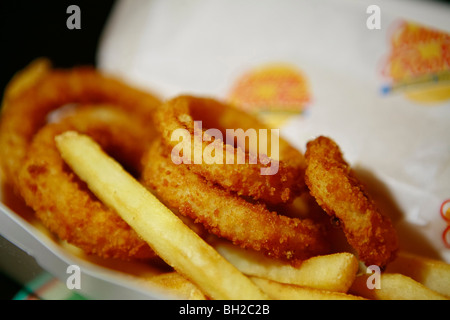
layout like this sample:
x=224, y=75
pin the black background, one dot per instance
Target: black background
x=37, y=28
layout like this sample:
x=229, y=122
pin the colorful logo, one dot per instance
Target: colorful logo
x=274, y=93
x=418, y=63
x=445, y=214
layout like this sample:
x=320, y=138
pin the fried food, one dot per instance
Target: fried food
x=61, y=200
x=338, y=191
x=249, y=225
x=283, y=291
x=394, y=286
x=176, y=285
x=38, y=90
x=334, y=272
x=174, y=242
x=242, y=177
x=431, y=273
x=96, y=204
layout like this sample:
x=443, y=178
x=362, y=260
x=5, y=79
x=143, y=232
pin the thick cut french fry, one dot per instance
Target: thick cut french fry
x=431, y=273
x=394, y=286
x=334, y=272
x=174, y=242
x=176, y=285
x=283, y=291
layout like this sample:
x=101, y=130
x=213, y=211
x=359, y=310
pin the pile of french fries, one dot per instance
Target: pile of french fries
x=219, y=270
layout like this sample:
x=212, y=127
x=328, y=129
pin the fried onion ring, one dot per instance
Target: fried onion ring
x=246, y=178
x=25, y=113
x=338, y=191
x=249, y=225
x=63, y=202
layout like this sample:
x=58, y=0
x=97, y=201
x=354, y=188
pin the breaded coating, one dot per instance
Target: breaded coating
x=25, y=109
x=243, y=178
x=338, y=191
x=63, y=202
x=225, y=214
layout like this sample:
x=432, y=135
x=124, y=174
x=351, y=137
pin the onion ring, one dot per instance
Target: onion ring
x=23, y=114
x=222, y=213
x=63, y=202
x=246, y=178
x=337, y=190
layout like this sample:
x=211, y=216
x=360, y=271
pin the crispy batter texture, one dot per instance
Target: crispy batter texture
x=28, y=102
x=337, y=190
x=249, y=225
x=63, y=202
x=245, y=179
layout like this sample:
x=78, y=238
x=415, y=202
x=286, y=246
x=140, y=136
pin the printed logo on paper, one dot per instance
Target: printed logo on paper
x=418, y=63
x=445, y=214
x=273, y=92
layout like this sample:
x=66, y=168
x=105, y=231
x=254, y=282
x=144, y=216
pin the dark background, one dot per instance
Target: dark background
x=37, y=28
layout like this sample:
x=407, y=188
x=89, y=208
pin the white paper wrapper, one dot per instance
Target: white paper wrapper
x=399, y=147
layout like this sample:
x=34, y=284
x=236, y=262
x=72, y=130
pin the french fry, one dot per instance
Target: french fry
x=26, y=78
x=431, y=273
x=334, y=272
x=174, y=242
x=283, y=291
x=178, y=286
x=394, y=286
